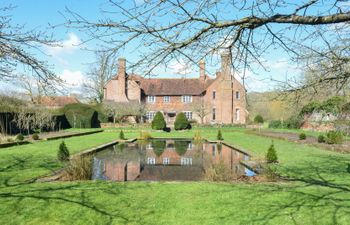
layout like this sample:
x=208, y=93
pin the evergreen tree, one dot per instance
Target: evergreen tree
x=158, y=122
x=271, y=156
x=63, y=152
x=121, y=135
x=219, y=136
x=181, y=122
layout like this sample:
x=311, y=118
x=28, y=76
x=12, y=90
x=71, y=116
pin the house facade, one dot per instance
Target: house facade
x=218, y=100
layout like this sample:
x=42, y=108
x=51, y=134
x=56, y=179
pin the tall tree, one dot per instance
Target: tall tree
x=100, y=72
x=161, y=31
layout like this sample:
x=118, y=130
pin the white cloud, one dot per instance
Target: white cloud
x=67, y=46
x=72, y=78
x=180, y=67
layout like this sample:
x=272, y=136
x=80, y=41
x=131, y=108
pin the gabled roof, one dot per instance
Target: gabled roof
x=174, y=86
x=57, y=101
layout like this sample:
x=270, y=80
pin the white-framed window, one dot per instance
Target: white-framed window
x=237, y=114
x=166, y=161
x=150, y=115
x=166, y=99
x=188, y=114
x=151, y=160
x=238, y=95
x=186, y=98
x=151, y=99
x=186, y=161
x=190, y=146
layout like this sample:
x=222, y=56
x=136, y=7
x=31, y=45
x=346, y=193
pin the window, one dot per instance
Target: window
x=151, y=161
x=166, y=99
x=186, y=98
x=149, y=146
x=214, y=94
x=190, y=146
x=214, y=113
x=150, y=115
x=151, y=99
x=188, y=115
x=186, y=161
x=237, y=95
x=166, y=161
x=237, y=114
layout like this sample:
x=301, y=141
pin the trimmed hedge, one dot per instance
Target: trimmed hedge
x=158, y=122
x=258, y=119
x=181, y=122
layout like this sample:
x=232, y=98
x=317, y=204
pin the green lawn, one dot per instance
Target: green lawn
x=320, y=193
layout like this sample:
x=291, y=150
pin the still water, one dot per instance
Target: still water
x=166, y=160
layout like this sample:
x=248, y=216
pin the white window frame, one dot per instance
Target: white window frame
x=237, y=113
x=186, y=161
x=151, y=99
x=166, y=99
x=150, y=115
x=151, y=161
x=188, y=114
x=166, y=161
x=190, y=146
x=186, y=98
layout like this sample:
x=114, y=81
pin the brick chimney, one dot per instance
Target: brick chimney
x=122, y=80
x=226, y=66
x=202, y=76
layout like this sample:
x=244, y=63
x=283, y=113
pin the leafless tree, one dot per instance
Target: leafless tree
x=119, y=110
x=161, y=31
x=18, y=47
x=201, y=109
x=100, y=72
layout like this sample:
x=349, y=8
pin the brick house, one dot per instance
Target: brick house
x=221, y=100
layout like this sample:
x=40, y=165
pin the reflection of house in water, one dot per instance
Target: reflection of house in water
x=164, y=160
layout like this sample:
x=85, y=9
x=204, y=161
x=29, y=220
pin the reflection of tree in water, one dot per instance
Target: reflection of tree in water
x=158, y=147
x=219, y=147
x=181, y=147
x=121, y=146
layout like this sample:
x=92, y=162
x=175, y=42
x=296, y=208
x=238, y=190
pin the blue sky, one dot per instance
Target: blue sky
x=71, y=62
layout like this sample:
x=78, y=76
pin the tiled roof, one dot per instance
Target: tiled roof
x=174, y=86
x=57, y=101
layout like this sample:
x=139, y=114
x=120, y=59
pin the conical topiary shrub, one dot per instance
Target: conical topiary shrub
x=271, y=156
x=219, y=136
x=121, y=135
x=63, y=152
x=158, y=122
x=181, y=122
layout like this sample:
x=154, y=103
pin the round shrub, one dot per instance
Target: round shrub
x=294, y=122
x=63, y=152
x=81, y=115
x=181, y=122
x=158, y=122
x=302, y=136
x=275, y=124
x=35, y=136
x=321, y=138
x=334, y=137
x=20, y=137
x=258, y=119
x=271, y=156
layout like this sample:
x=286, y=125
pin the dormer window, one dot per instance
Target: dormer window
x=151, y=99
x=186, y=98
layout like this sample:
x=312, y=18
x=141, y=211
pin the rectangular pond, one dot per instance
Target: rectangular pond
x=167, y=160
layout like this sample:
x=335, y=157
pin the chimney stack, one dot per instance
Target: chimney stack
x=226, y=65
x=202, y=70
x=122, y=80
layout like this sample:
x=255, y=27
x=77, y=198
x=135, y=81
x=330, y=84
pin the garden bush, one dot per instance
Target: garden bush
x=321, y=138
x=258, y=119
x=35, y=136
x=79, y=168
x=181, y=122
x=275, y=124
x=271, y=156
x=294, y=122
x=158, y=122
x=334, y=137
x=20, y=137
x=121, y=135
x=63, y=152
x=81, y=115
x=219, y=136
x=302, y=136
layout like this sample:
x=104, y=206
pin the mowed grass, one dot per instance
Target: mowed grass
x=318, y=194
